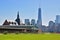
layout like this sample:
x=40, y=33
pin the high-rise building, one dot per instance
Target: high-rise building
x=44, y=28
x=33, y=22
x=57, y=21
x=27, y=22
x=18, y=19
x=51, y=26
x=39, y=21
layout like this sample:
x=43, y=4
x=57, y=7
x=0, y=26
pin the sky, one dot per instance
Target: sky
x=28, y=9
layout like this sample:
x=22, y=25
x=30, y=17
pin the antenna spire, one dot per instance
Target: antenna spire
x=39, y=3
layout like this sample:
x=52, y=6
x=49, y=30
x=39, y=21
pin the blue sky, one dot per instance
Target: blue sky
x=29, y=9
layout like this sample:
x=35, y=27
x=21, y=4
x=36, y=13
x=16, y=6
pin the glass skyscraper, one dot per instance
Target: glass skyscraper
x=33, y=22
x=57, y=21
x=39, y=21
x=27, y=22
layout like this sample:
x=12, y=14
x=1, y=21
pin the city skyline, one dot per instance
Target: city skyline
x=29, y=9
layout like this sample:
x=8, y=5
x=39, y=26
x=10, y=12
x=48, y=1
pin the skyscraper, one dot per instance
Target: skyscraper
x=33, y=22
x=27, y=22
x=51, y=26
x=39, y=21
x=18, y=19
x=57, y=21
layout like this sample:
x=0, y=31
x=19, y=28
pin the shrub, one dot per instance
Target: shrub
x=5, y=32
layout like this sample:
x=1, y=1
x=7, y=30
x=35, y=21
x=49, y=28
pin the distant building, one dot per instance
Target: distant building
x=18, y=29
x=6, y=22
x=18, y=19
x=51, y=26
x=9, y=23
x=27, y=22
x=58, y=28
x=39, y=21
x=51, y=23
x=33, y=22
x=57, y=21
x=44, y=28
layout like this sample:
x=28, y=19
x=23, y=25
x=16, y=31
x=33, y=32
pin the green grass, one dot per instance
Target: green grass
x=30, y=37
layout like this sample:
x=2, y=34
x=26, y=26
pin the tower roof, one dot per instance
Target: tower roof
x=17, y=14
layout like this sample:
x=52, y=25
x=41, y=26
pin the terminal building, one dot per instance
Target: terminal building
x=27, y=27
x=18, y=28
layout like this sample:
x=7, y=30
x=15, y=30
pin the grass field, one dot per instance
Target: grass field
x=29, y=36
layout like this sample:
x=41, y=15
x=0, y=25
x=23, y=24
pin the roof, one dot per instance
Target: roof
x=16, y=26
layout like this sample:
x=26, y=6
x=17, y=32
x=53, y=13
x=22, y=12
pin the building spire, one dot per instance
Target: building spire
x=18, y=19
x=18, y=15
x=39, y=3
